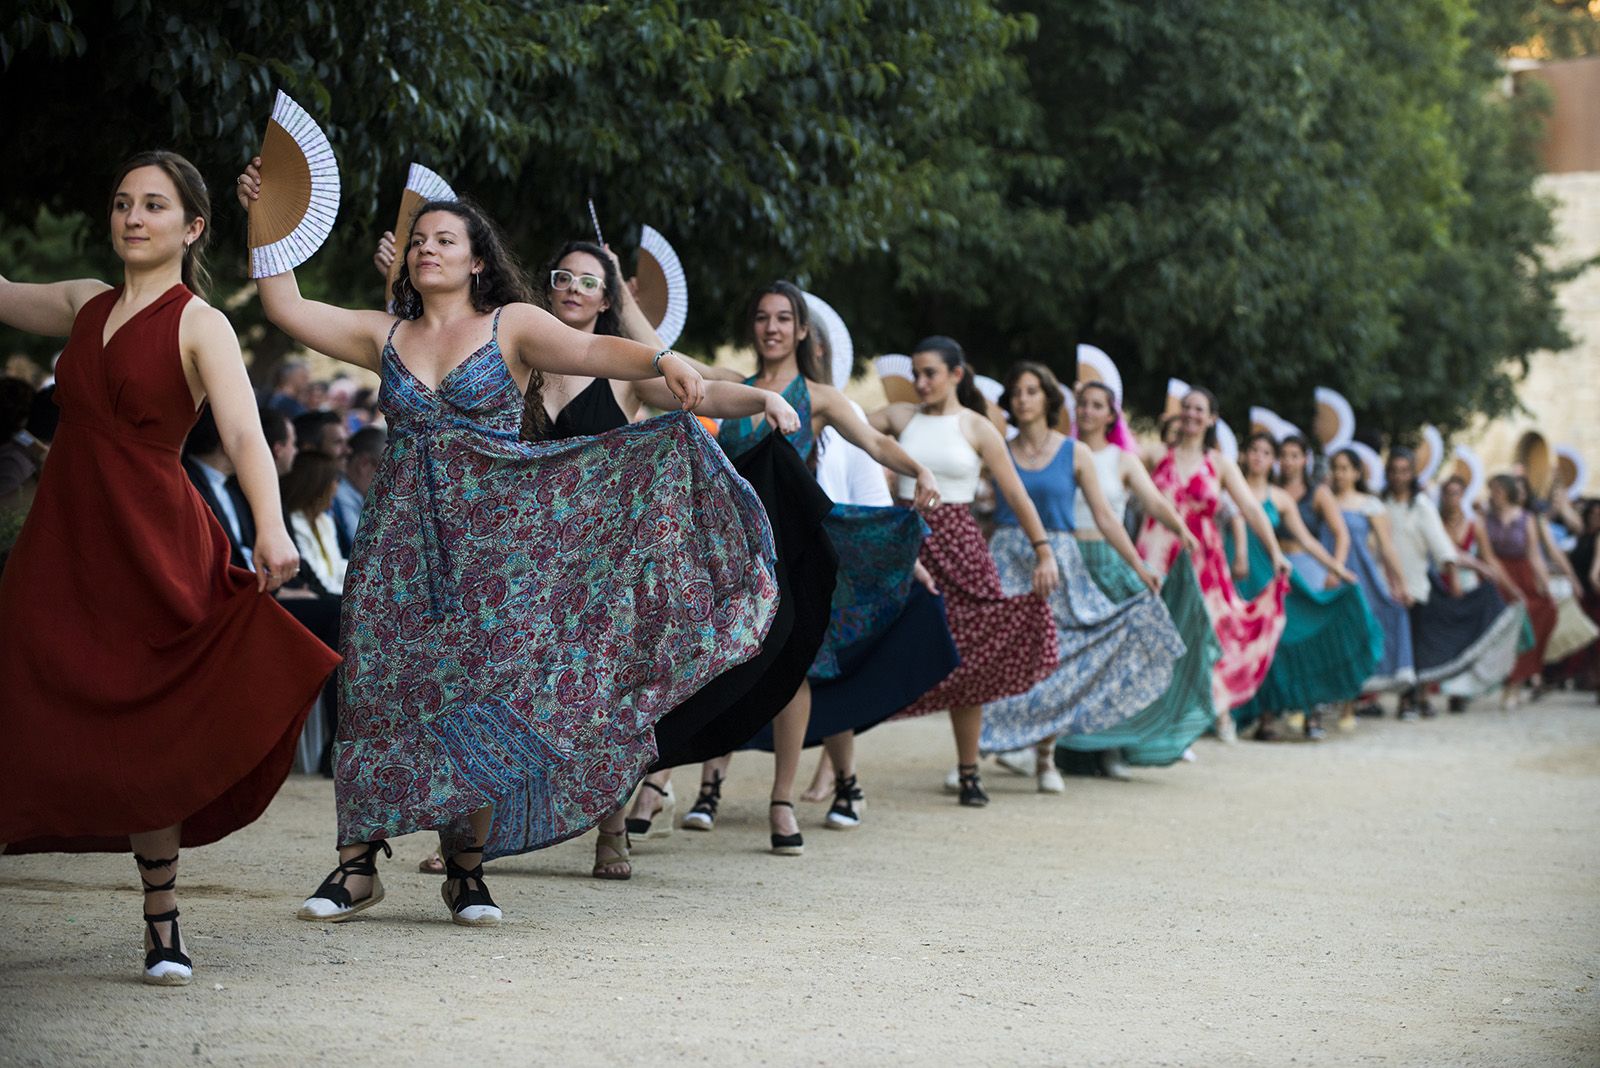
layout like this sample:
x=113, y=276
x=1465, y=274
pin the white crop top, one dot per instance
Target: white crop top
x=936, y=442
x=1108, y=469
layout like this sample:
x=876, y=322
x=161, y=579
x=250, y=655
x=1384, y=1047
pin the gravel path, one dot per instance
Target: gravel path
x=1414, y=893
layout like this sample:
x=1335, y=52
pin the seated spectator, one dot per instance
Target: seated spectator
x=363, y=410
x=211, y=471
x=366, y=452
x=323, y=432
x=289, y=384
x=19, y=457
x=280, y=437
x=308, y=491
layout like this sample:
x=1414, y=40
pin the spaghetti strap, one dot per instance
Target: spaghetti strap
x=494, y=329
x=388, y=342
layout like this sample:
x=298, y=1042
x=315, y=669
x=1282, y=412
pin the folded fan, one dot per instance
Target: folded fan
x=663, y=291
x=422, y=185
x=299, y=197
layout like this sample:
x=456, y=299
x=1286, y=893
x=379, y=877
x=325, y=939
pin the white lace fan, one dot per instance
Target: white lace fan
x=1095, y=366
x=299, y=192
x=1273, y=423
x=894, y=372
x=1336, y=420
x=422, y=185
x=663, y=291
x=1369, y=460
x=835, y=337
x=1468, y=467
x=1430, y=454
x=1227, y=440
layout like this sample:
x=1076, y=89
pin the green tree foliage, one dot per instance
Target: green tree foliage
x=1262, y=195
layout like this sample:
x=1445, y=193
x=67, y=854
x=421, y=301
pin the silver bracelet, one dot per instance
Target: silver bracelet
x=656, y=363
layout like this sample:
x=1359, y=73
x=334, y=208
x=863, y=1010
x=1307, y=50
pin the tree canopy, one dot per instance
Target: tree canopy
x=1262, y=195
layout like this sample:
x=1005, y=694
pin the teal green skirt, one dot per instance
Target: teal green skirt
x=1158, y=734
x=1331, y=643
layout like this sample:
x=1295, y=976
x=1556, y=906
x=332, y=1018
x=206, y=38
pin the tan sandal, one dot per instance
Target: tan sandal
x=618, y=844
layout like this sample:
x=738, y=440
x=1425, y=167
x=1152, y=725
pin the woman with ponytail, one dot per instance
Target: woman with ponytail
x=153, y=693
x=1007, y=643
x=1193, y=475
x=1161, y=731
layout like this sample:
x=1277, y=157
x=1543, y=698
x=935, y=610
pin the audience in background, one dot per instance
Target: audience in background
x=290, y=385
x=366, y=452
x=207, y=464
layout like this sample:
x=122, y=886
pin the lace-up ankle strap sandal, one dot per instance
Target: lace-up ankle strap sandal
x=470, y=905
x=664, y=815
x=703, y=816
x=332, y=902
x=617, y=866
x=165, y=962
x=848, y=804
x=787, y=845
x=972, y=794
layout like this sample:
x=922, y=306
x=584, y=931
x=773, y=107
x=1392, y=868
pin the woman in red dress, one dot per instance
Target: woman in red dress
x=154, y=694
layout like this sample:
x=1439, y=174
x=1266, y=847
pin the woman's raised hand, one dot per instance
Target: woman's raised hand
x=248, y=185
x=383, y=258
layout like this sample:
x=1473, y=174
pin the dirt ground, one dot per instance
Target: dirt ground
x=1413, y=893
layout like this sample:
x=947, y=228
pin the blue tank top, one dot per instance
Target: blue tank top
x=1051, y=489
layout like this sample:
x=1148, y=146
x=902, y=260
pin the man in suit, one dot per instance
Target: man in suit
x=366, y=452
x=208, y=467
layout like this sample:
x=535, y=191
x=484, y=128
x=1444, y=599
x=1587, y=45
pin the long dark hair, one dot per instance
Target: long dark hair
x=502, y=281
x=1053, y=401
x=1210, y=441
x=950, y=351
x=196, y=201
x=1308, y=474
x=610, y=320
x=308, y=482
x=1357, y=463
x=1400, y=452
x=805, y=349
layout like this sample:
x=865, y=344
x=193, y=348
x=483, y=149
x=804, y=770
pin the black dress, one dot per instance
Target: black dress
x=733, y=707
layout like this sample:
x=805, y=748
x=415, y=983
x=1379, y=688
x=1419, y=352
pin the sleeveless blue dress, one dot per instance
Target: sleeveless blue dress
x=1116, y=657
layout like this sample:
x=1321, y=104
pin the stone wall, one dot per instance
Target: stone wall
x=1562, y=390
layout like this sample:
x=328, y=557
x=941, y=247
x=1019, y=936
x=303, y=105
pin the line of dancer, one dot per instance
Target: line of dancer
x=554, y=597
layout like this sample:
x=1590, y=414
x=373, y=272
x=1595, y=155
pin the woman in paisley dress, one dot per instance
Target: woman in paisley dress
x=1007, y=643
x=517, y=617
x=1161, y=732
x=876, y=547
x=1193, y=474
x=1115, y=657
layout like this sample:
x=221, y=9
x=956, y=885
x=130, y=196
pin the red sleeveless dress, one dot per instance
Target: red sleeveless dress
x=143, y=680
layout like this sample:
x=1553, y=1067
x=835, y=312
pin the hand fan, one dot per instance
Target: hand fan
x=1574, y=472
x=663, y=291
x=1095, y=366
x=1430, y=454
x=1227, y=440
x=1177, y=389
x=1335, y=422
x=992, y=391
x=1538, y=465
x=422, y=185
x=894, y=372
x=299, y=192
x=1270, y=421
x=835, y=338
x=1469, y=468
x=1369, y=460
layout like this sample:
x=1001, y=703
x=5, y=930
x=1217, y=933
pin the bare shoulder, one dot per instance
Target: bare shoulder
x=201, y=323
